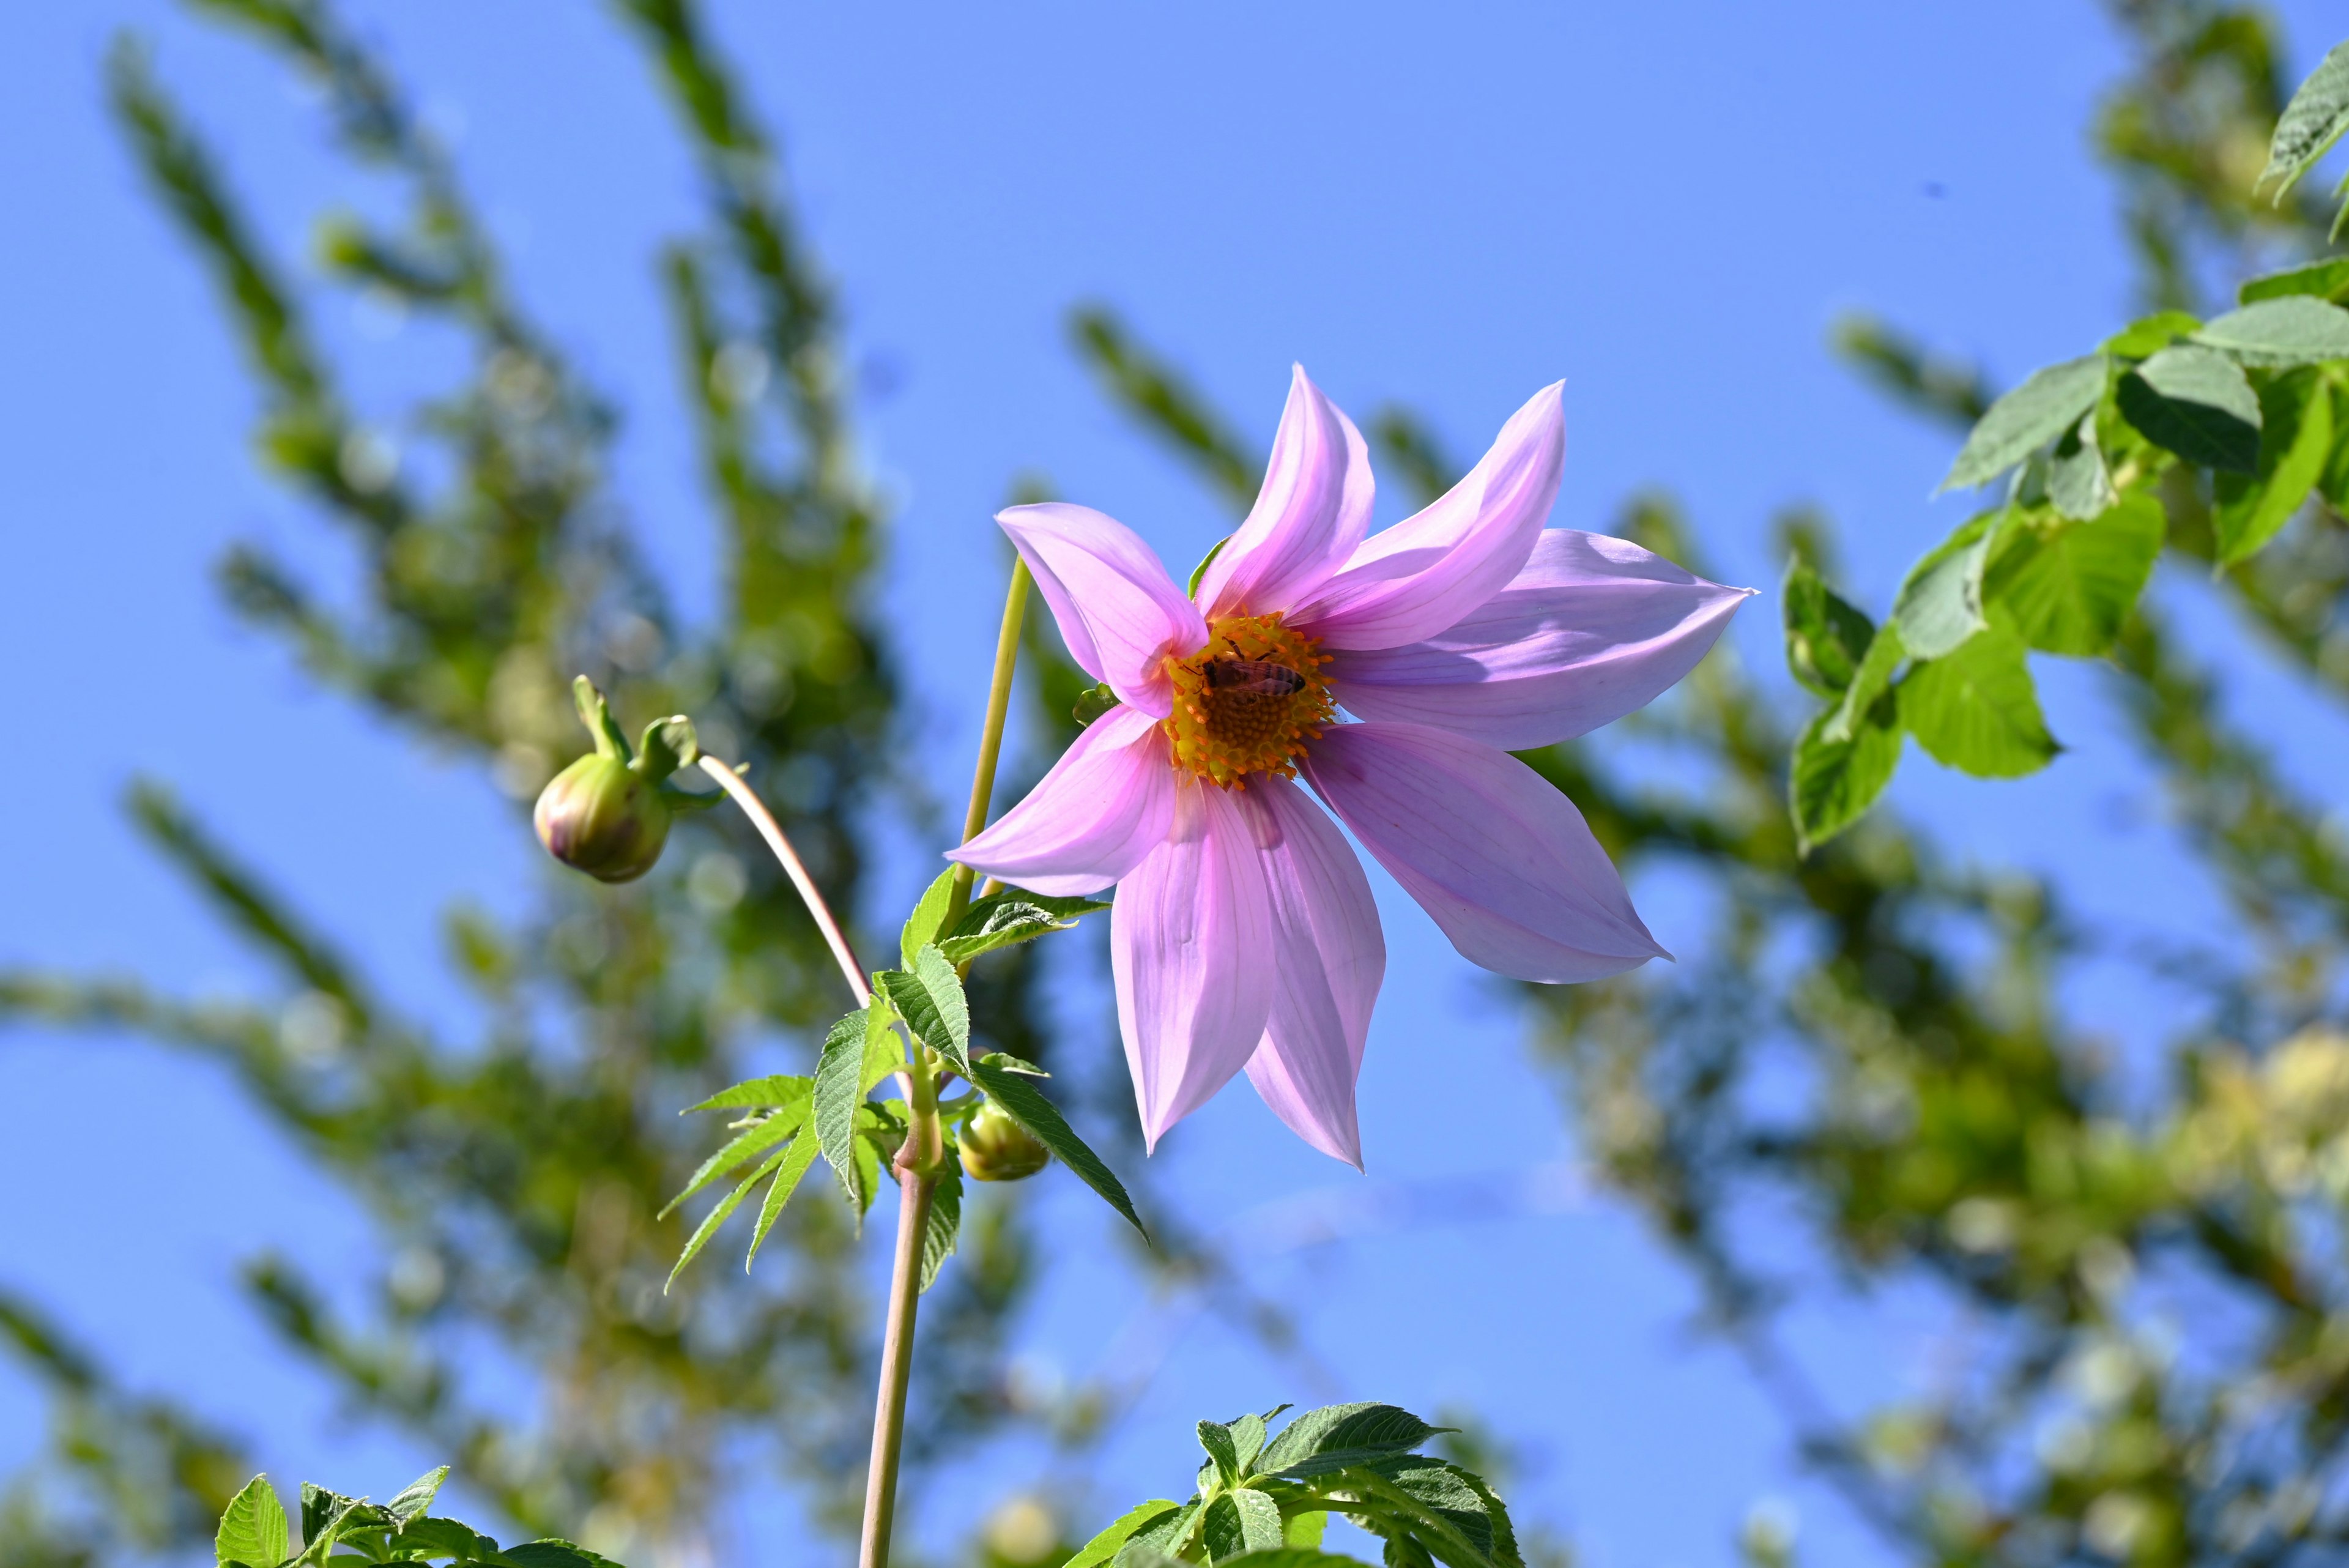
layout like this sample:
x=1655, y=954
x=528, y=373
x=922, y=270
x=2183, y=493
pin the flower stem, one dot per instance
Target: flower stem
x=990, y=737
x=772, y=832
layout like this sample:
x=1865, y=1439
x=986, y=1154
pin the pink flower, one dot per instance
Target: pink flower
x=1243, y=933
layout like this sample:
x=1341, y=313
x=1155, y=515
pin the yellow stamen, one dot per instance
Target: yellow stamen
x=1245, y=702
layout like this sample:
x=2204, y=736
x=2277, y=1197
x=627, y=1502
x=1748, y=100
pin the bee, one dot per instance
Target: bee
x=1252, y=678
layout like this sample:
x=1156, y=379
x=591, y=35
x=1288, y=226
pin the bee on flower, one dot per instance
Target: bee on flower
x=1243, y=934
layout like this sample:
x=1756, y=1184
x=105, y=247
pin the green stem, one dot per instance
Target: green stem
x=990, y=737
x=923, y=1154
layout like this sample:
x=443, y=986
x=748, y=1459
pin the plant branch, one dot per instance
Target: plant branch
x=990, y=737
x=772, y=832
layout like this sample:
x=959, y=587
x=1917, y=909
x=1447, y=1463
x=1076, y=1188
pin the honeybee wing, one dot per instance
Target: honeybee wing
x=1255, y=676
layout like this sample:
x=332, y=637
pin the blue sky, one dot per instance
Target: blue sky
x=1665, y=205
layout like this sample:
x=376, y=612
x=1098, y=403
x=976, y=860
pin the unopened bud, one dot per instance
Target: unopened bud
x=599, y=817
x=608, y=812
x=996, y=1149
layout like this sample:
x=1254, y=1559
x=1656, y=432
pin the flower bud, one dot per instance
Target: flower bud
x=608, y=812
x=598, y=817
x=996, y=1149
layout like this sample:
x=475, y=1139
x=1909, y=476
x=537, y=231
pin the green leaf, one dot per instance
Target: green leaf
x=1833, y=782
x=1010, y=1063
x=928, y=995
x=1825, y=635
x=943, y=1225
x=1092, y=702
x=764, y=1134
x=252, y=1527
x=716, y=1216
x=1975, y=710
x=553, y=1553
x=446, y=1538
x=2334, y=482
x=2078, y=482
x=1155, y=1535
x=839, y=1090
x=1290, y=1557
x=1241, y=1520
x=1248, y=1441
x=1026, y=1104
x=321, y=1508
x=1874, y=678
x=1306, y=1530
x=2196, y=402
x=1009, y=917
x=1104, y=1546
x=1200, y=571
x=1217, y=1439
x=797, y=1161
x=668, y=745
x=2295, y=440
x=2325, y=279
x=2311, y=123
x=928, y=917
x=2072, y=584
x=2293, y=330
x=2049, y=402
x=1939, y=604
x=2143, y=338
x=1366, y=1429
x=882, y=1055
x=413, y=1499
x=782, y=1091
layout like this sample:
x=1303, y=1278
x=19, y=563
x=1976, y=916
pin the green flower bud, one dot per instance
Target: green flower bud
x=598, y=817
x=608, y=812
x=996, y=1149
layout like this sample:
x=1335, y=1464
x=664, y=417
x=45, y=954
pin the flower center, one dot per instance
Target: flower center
x=1247, y=702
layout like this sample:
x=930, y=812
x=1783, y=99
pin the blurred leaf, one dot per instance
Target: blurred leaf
x=2311, y=123
x=1939, y=604
x=2291, y=330
x=1974, y=709
x=2196, y=402
x=2296, y=442
x=2049, y=402
x=2070, y=585
x=1833, y=782
x=1825, y=637
x=2078, y=482
x=2324, y=280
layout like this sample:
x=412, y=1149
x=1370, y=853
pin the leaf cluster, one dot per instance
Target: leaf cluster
x=255, y=1532
x=1263, y=1497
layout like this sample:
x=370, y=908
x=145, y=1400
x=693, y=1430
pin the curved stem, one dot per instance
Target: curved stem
x=772, y=832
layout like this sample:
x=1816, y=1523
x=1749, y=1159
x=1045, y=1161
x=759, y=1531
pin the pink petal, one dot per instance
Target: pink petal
x=1330, y=957
x=1501, y=859
x=1309, y=516
x=1429, y=571
x=1119, y=611
x=1191, y=947
x=1591, y=630
x=1106, y=804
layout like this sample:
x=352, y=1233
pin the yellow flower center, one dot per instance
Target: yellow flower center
x=1247, y=702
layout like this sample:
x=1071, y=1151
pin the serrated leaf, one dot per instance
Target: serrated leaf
x=746, y=1145
x=2079, y=484
x=2197, y=403
x=1291, y=1557
x=2324, y=280
x=929, y=915
x=780, y=1090
x=1366, y=1427
x=2049, y=402
x=1975, y=710
x=2293, y=330
x=943, y=1227
x=2311, y=123
x=1121, y=1530
x=321, y=1507
x=797, y=1161
x=1239, y=1521
x=928, y=996
x=716, y=1215
x=839, y=1089
x=1825, y=635
x=2071, y=585
x=2296, y=442
x=1010, y=1063
x=252, y=1528
x=1940, y=603
x=1006, y=919
x=1248, y=1441
x=414, y=1498
x=1217, y=1439
x=1154, y=1536
x=1026, y=1104
x=1833, y=782
x=448, y=1538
